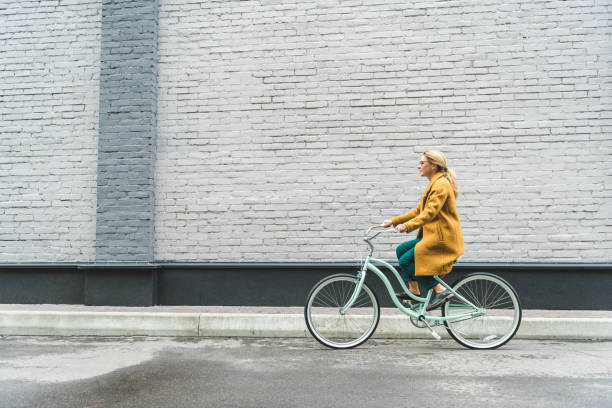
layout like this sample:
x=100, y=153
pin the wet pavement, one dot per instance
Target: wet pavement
x=247, y=372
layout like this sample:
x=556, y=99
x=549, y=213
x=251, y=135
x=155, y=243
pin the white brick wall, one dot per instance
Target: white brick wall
x=49, y=72
x=287, y=128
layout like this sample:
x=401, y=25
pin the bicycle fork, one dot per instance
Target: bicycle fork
x=361, y=276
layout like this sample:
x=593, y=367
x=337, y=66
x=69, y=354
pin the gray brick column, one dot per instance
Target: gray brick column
x=126, y=146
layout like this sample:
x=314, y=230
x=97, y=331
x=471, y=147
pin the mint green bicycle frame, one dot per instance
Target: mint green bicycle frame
x=420, y=312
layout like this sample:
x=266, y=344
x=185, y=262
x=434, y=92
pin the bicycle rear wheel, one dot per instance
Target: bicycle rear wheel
x=328, y=325
x=502, y=312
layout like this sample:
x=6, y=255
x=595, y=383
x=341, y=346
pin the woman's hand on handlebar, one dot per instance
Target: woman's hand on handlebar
x=401, y=228
x=398, y=228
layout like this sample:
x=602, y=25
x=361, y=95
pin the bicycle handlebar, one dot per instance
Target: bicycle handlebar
x=368, y=238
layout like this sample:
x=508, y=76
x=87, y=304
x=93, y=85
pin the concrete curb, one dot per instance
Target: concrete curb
x=30, y=323
x=61, y=323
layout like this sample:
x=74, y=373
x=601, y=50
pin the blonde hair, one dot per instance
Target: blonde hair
x=439, y=159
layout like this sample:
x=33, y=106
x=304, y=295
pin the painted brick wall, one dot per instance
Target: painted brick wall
x=49, y=93
x=286, y=128
x=126, y=139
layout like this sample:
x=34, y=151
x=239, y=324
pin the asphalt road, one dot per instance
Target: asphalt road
x=163, y=372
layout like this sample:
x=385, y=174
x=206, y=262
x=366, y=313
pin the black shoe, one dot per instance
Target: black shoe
x=439, y=299
x=405, y=298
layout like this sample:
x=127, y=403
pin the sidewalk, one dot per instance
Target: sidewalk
x=209, y=321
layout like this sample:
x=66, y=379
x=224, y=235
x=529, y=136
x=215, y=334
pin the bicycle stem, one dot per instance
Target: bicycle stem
x=367, y=239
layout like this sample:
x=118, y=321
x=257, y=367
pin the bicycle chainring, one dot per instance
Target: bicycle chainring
x=417, y=323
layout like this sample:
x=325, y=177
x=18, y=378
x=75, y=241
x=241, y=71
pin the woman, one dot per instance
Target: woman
x=440, y=240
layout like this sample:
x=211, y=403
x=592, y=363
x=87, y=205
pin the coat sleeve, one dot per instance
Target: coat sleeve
x=405, y=217
x=435, y=202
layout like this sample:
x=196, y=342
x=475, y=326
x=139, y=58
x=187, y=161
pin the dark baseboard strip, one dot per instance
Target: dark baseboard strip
x=579, y=286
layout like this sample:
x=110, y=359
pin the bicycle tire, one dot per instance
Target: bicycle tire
x=502, y=309
x=323, y=318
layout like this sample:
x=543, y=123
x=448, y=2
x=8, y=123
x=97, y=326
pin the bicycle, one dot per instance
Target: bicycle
x=342, y=312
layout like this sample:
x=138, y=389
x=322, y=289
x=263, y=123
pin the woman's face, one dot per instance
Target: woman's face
x=426, y=168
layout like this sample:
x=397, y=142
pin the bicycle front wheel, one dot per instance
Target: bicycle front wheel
x=501, y=307
x=328, y=325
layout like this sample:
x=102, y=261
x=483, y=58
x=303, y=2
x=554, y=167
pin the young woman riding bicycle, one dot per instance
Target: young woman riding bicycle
x=479, y=311
x=439, y=241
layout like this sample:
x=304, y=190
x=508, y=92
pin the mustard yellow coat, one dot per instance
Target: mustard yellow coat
x=437, y=218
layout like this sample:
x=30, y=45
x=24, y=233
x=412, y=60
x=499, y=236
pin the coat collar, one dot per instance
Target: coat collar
x=434, y=178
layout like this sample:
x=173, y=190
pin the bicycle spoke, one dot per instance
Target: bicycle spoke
x=353, y=321
x=500, y=301
x=485, y=294
x=471, y=296
x=495, y=296
x=325, y=296
x=362, y=301
x=501, y=309
x=341, y=330
x=347, y=294
x=335, y=294
x=324, y=300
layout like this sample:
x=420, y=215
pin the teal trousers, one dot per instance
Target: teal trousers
x=405, y=256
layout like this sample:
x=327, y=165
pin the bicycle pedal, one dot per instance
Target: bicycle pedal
x=431, y=331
